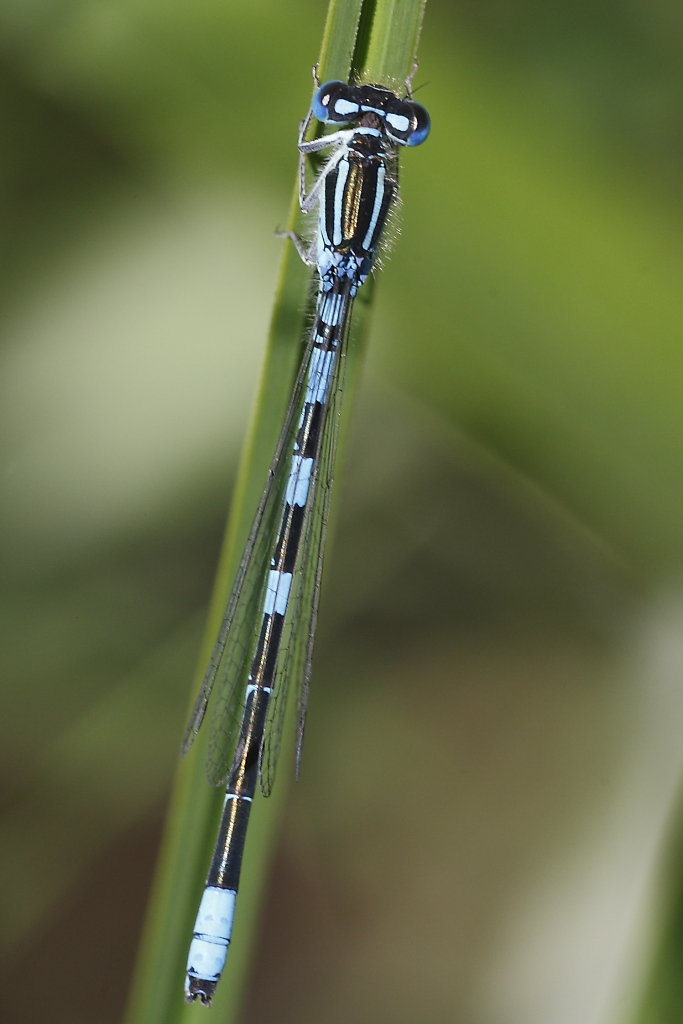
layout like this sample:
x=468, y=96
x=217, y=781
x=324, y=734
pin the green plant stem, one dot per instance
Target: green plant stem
x=374, y=41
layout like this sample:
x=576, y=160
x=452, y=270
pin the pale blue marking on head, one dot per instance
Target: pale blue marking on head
x=345, y=107
x=399, y=122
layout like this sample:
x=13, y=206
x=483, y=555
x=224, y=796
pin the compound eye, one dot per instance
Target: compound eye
x=406, y=122
x=421, y=124
x=335, y=101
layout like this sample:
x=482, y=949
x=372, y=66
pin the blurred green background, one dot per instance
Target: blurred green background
x=485, y=828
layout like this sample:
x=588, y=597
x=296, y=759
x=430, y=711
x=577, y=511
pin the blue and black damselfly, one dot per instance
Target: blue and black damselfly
x=265, y=642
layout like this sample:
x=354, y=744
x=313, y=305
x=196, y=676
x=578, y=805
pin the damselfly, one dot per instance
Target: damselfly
x=266, y=639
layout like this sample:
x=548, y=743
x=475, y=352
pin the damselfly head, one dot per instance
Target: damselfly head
x=405, y=122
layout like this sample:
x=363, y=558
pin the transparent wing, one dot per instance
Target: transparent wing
x=228, y=665
x=302, y=652
x=294, y=663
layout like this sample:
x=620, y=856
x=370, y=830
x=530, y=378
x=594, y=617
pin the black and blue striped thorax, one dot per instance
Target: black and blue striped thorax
x=359, y=192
